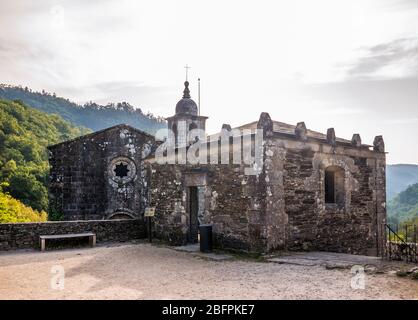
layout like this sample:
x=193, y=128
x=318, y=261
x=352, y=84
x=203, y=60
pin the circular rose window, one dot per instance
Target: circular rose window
x=122, y=170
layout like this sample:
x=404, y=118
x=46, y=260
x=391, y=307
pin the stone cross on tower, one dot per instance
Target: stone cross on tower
x=187, y=71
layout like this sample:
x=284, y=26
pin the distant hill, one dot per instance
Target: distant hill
x=404, y=207
x=24, y=135
x=399, y=177
x=90, y=115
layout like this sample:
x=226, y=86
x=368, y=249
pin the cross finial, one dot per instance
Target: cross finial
x=187, y=71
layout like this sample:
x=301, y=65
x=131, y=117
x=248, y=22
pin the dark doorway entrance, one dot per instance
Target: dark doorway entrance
x=329, y=186
x=193, y=210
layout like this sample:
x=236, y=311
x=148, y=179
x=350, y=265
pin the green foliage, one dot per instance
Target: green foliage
x=55, y=215
x=401, y=273
x=25, y=186
x=404, y=207
x=12, y=210
x=406, y=230
x=91, y=115
x=409, y=196
x=24, y=135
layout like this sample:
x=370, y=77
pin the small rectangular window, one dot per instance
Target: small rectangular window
x=329, y=186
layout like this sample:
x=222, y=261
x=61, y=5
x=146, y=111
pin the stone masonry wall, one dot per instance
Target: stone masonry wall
x=352, y=229
x=83, y=185
x=26, y=235
x=284, y=206
x=299, y=198
x=298, y=215
x=232, y=204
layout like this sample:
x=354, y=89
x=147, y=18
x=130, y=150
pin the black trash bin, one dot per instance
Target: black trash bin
x=205, y=237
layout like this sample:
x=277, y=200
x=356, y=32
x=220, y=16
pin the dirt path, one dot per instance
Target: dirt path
x=141, y=271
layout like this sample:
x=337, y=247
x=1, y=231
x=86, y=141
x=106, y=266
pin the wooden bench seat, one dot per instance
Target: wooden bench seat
x=92, y=238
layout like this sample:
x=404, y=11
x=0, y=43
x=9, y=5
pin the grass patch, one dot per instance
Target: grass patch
x=249, y=256
x=401, y=273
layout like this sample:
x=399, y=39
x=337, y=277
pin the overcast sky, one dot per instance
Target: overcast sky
x=351, y=65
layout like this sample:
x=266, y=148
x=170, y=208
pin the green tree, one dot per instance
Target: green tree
x=25, y=186
x=12, y=210
x=24, y=135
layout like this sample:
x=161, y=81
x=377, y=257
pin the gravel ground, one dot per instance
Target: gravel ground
x=142, y=271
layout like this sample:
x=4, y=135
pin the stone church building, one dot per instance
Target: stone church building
x=311, y=191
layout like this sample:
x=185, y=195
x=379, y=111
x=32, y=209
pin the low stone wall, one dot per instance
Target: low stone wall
x=26, y=235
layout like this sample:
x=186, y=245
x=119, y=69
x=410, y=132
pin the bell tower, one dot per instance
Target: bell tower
x=186, y=126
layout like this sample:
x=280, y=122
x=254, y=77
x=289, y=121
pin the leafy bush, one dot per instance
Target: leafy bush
x=12, y=210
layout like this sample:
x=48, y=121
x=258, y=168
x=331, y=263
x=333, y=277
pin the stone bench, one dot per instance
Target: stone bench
x=90, y=235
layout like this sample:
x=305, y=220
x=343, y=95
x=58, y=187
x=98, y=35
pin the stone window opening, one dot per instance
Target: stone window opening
x=121, y=170
x=192, y=138
x=334, y=186
x=175, y=133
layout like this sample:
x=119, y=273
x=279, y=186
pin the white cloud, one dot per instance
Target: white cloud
x=252, y=56
x=395, y=59
x=402, y=121
x=343, y=111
